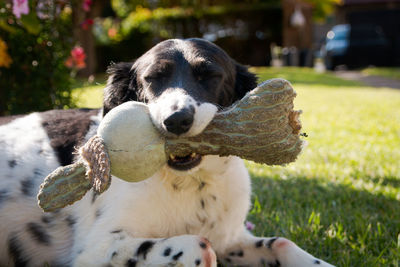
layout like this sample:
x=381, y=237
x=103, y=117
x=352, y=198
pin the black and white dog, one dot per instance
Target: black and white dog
x=193, y=206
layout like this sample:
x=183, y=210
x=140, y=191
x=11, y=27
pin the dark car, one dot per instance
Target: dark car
x=355, y=46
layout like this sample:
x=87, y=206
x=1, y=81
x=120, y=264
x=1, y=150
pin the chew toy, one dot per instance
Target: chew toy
x=262, y=127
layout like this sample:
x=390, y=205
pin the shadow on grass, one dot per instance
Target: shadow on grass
x=391, y=181
x=298, y=75
x=343, y=225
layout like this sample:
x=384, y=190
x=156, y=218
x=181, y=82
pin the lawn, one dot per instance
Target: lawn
x=392, y=73
x=341, y=199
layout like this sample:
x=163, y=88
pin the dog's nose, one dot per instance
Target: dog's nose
x=179, y=122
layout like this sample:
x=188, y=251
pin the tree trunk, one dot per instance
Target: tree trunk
x=83, y=37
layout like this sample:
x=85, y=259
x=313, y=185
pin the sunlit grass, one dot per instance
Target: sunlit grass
x=88, y=93
x=303, y=76
x=88, y=96
x=341, y=199
x=392, y=73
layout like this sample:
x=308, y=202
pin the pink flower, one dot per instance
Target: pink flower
x=86, y=5
x=77, y=58
x=86, y=24
x=249, y=226
x=20, y=7
x=112, y=32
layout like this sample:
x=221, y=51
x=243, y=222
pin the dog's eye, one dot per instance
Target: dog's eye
x=208, y=77
x=206, y=73
x=155, y=76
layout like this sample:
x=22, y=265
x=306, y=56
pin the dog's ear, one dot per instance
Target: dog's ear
x=245, y=81
x=121, y=86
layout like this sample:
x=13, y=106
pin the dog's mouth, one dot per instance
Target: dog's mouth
x=184, y=163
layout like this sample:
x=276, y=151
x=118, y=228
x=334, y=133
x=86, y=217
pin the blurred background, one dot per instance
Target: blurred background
x=43, y=43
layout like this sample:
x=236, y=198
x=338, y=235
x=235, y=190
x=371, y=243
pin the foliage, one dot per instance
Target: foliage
x=149, y=15
x=323, y=8
x=38, y=45
x=340, y=200
x=141, y=16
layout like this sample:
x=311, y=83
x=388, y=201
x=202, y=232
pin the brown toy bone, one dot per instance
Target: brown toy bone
x=262, y=127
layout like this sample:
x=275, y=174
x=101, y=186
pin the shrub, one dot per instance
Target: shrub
x=38, y=44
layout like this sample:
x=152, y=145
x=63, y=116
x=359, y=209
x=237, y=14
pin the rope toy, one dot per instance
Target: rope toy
x=262, y=127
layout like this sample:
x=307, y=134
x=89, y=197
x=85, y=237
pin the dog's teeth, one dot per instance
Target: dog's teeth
x=193, y=155
x=172, y=157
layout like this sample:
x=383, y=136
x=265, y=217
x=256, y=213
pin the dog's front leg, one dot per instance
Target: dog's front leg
x=121, y=249
x=267, y=251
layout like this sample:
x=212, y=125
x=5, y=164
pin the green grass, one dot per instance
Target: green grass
x=89, y=94
x=341, y=199
x=392, y=73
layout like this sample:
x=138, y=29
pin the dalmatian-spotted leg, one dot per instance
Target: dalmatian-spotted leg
x=271, y=252
x=185, y=250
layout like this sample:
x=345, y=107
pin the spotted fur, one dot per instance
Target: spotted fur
x=173, y=218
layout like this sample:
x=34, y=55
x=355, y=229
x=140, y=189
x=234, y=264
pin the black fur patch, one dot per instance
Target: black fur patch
x=70, y=220
x=12, y=163
x=37, y=172
x=122, y=88
x=144, y=248
x=274, y=264
x=47, y=219
x=203, y=245
x=259, y=243
x=239, y=253
x=245, y=81
x=167, y=252
x=28, y=187
x=66, y=129
x=202, y=203
x=94, y=196
x=15, y=250
x=177, y=256
x=38, y=232
x=201, y=185
x=131, y=263
x=271, y=241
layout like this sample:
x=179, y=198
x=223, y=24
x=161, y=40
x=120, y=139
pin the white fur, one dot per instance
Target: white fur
x=162, y=108
x=25, y=142
x=210, y=200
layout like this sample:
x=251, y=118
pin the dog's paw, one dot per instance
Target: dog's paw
x=271, y=252
x=186, y=250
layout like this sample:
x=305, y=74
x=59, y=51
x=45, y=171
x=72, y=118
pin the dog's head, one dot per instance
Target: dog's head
x=184, y=82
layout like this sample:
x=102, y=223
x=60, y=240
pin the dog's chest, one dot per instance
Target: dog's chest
x=166, y=206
